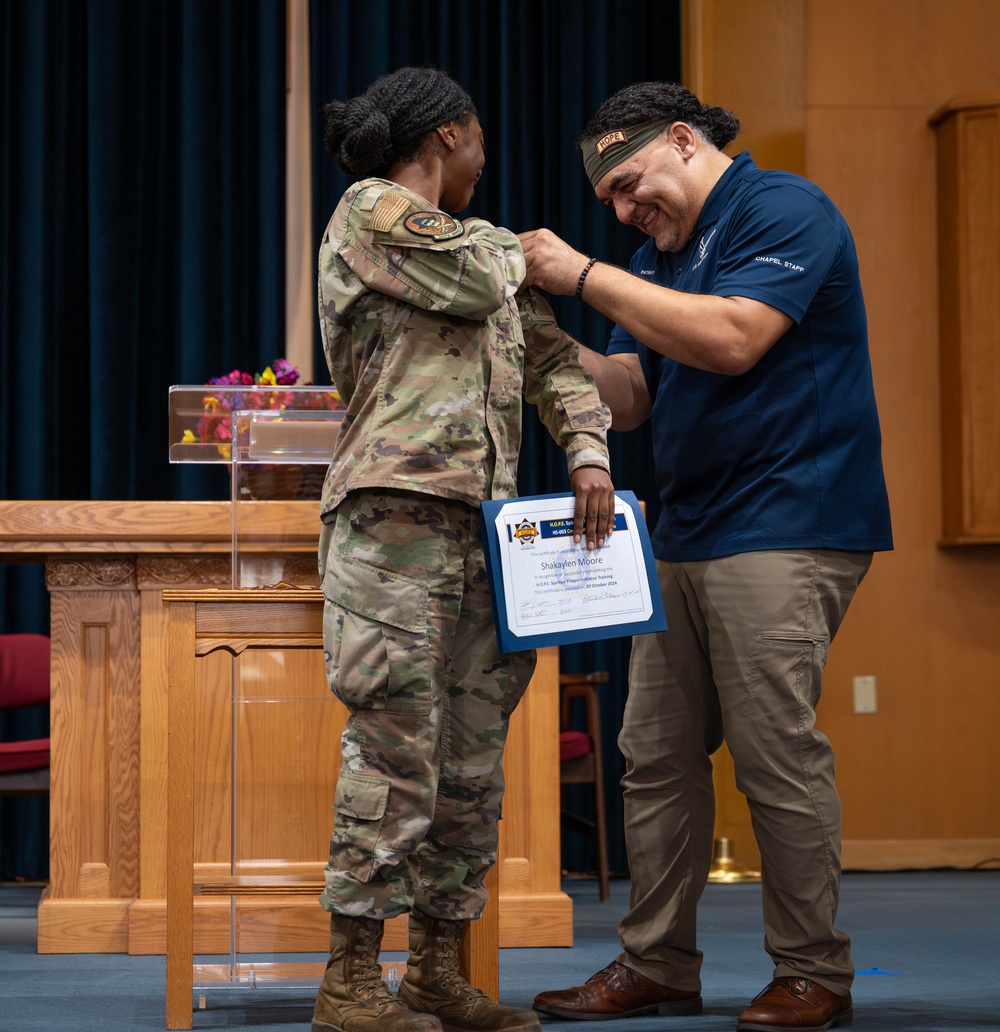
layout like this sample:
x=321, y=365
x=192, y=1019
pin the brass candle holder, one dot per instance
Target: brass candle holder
x=724, y=867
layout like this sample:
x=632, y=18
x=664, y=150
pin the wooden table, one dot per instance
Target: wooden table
x=106, y=567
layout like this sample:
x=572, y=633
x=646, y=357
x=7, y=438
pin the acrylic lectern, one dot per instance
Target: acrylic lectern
x=284, y=724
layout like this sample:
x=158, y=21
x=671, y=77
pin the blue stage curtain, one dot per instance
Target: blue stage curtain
x=142, y=237
x=537, y=71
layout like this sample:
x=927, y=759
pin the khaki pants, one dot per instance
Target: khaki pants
x=742, y=659
x=411, y=652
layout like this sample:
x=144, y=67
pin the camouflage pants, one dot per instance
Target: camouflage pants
x=411, y=652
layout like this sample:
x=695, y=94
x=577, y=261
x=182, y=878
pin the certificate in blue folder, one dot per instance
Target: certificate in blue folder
x=548, y=590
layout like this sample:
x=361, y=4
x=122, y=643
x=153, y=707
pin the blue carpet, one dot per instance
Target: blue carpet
x=926, y=946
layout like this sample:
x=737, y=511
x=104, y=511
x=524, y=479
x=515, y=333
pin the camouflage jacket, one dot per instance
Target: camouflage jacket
x=425, y=341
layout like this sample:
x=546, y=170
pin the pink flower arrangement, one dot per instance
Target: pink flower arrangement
x=216, y=425
x=280, y=372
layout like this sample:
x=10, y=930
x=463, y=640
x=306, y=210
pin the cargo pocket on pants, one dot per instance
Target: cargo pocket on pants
x=360, y=805
x=375, y=635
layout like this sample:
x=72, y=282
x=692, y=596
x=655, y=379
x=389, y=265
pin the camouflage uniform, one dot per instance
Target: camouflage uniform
x=425, y=341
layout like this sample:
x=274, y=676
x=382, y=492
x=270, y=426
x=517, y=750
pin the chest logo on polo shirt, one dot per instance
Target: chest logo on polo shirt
x=703, y=249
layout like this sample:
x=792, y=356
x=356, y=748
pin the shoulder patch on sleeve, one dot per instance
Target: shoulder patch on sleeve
x=434, y=224
x=388, y=210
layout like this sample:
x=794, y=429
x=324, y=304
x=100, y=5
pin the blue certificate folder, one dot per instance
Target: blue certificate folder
x=548, y=590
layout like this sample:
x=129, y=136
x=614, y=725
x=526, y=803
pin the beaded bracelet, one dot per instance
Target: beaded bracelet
x=583, y=276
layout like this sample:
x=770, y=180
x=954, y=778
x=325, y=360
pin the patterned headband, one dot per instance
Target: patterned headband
x=603, y=153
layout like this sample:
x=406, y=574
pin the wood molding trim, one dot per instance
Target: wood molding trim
x=80, y=527
x=918, y=854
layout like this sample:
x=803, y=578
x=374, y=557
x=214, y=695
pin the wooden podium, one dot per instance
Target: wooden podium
x=240, y=622
x=107, y=566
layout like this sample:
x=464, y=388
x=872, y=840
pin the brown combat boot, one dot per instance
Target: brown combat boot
x=353, y=997
x=432, y=984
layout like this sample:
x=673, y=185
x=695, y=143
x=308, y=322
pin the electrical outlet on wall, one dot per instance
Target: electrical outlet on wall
x=865, y=700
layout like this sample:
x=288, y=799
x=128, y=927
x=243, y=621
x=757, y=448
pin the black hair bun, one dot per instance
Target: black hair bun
x=357, y=136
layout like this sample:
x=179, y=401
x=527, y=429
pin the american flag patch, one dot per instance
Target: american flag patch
x=388, y=210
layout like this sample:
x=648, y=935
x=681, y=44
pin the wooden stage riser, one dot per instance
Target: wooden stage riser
x=264, y=926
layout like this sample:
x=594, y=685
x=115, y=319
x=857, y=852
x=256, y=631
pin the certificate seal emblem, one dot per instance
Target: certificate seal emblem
x=526, y=531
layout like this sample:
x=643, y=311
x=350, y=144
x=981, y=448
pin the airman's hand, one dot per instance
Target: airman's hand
x=594, y=512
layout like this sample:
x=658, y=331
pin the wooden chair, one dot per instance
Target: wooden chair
x=199, y=623
x=581, y=762
x=24, y=681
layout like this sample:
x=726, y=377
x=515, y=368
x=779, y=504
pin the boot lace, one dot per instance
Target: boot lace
x=446, y=974
x=366, y=972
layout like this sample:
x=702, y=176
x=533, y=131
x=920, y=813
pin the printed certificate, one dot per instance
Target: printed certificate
x=548, y=590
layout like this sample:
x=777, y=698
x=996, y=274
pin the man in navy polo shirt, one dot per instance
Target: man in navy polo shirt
x=741, y=335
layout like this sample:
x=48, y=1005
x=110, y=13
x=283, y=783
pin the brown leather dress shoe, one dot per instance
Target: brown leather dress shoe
x=617, y=992
x=796, y=1003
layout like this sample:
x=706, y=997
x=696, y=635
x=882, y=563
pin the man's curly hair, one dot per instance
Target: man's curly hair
x=649, y=101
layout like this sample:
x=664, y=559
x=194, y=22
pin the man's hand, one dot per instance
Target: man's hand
x=594, y=513
x=552, y=264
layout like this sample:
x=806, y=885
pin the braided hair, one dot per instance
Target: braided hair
x=388, y=123
x=648, y=101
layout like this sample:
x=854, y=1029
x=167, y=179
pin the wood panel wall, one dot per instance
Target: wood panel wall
x=847, y=89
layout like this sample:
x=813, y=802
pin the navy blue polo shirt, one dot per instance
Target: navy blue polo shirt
x=788, y=454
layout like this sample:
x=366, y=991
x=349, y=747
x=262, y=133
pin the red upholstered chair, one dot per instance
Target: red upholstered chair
x=580, y=762
x=24, y=681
